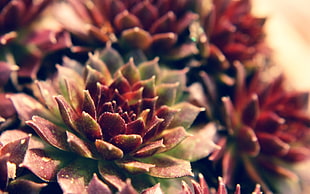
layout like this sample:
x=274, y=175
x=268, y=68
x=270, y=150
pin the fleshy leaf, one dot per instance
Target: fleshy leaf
x=27, y=106
x=79, y=145
x=42, y=164
x=89, y=105
x=68, y=114
x=128, y=188
x=17, y=150
x=272, y=145
x=172, y=137
x=186, y=116
x=149, y=148
x=149, y=69
x=111, y=124
x=74, y=177
x=88, y=126
x=111, y=58
x=108, y=151
x=136, y=38
x=169, y=167
x=130, y=72
x=166, y=93
x=127, y=143
x=167, y=114
x=247, y=141
x=110, y=175
x=135, y=167
x=125, y=20
x=251, y=112
x=197, y=146
x=54, y=135
x=96, y=185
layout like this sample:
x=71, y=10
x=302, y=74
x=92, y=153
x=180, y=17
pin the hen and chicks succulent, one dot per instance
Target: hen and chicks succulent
x=170, y=96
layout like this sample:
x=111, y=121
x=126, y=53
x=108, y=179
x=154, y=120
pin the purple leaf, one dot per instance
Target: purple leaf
x=49, y=132
x=27, y=106
x=112, y=124
x=17, y=150
x=110, y=174
x=41, y=164
x=172, y=137
x=98, y=186
x=128, y=189
x=136, y=127
x=74, y=177
x=149, y=149
x=68, y=114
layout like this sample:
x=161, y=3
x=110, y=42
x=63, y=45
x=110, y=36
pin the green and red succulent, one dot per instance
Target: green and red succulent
x=121, y=118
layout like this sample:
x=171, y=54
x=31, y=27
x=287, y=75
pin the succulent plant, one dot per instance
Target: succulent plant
x=228, y=32
x=154, y=26
x=16, y=14
x=232, y=30
x=265, y=130
x=114, y=116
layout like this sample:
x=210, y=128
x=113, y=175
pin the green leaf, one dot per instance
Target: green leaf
x=197, y=146
x=186, y=116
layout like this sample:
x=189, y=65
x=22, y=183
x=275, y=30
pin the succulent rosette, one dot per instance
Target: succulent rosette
x=264, y=131
x=120, y=119
x=228, y=32
x=158, y=27
x=232, y=30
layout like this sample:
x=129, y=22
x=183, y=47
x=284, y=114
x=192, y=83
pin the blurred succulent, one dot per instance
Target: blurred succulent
x=15, y=14
x=232, y=30
x=155, y=26
x=265, y=130
x=228, y=32
x=116, y=116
